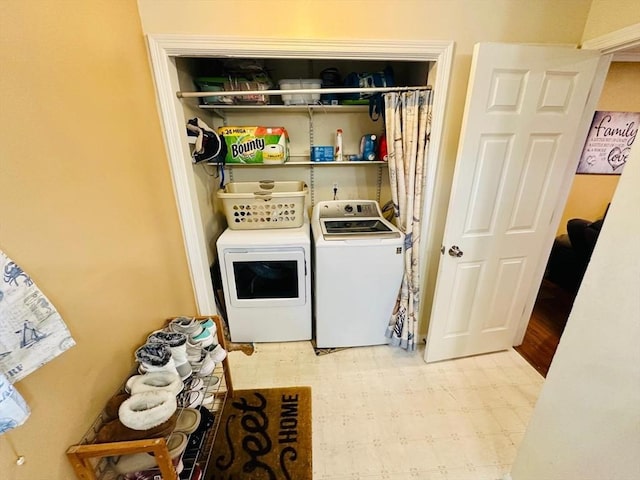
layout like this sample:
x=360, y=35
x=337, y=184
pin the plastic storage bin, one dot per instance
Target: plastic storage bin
x=263, y=204
x=300, y=83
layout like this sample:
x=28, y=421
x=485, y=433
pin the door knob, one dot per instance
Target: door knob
x=455, y=251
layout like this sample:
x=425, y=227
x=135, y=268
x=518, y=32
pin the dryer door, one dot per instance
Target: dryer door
x=266, y=278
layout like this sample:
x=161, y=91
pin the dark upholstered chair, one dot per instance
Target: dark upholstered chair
x=571, y=253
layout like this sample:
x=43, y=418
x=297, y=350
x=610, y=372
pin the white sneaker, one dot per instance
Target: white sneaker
x=210, y=325
x=217, y=354
x=204, y=338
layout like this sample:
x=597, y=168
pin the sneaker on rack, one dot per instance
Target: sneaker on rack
x=155, y=357
x=210, y=325
x=195, y=353
x=187, y=325
x=194, y=398
x=207, y=366
x=194, y=383
x=177, y=341
x=217, y=353
x=204, y=338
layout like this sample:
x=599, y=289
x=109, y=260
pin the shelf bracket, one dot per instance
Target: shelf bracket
x=379, y=184
x=312, y=187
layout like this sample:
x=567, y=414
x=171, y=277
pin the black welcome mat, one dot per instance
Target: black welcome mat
x=264, y=434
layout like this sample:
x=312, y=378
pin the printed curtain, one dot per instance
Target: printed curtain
x=408, y=125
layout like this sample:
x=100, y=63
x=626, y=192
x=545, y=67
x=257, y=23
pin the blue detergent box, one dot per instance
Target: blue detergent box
x=322, y=153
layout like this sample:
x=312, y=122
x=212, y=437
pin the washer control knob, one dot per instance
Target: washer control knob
x=348, y=208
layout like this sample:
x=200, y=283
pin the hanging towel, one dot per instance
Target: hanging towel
x=14, y=411
x=32, y=332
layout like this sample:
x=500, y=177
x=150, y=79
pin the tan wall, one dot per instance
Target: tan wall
x=606, y=16
x=590, y=194
x=87, y=209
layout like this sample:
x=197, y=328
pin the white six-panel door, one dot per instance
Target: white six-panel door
x=522, y=116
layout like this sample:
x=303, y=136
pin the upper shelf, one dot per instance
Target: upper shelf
x=298, y=91
x=290, y=108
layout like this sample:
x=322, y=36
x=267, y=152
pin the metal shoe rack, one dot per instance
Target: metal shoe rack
x=89, y=459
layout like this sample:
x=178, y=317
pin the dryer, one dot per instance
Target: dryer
x=358, y=267
x=267, y=283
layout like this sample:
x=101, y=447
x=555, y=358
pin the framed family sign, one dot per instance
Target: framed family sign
x=609, y=142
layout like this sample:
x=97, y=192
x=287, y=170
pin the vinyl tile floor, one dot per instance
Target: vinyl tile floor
x=383, y=413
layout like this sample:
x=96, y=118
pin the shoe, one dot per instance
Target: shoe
x=137, y=462
x=116, y=431
x=155, y=381
x=142, y=411
x=217, y=354
x=194, y=398
x=210, y=325
x=177, y=341
x=194, y=383
x=187, y=325
x=111, y=408
x=204, y=338
x=188, y=420
x=195, y=355
x=155, y=357
x=207, y=366
x=154, y=474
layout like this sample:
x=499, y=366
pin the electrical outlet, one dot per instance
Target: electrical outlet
x=335, y=186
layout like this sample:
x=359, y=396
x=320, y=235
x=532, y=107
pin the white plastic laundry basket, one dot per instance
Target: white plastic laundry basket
x=263, y=204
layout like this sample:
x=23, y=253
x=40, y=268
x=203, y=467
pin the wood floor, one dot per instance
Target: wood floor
x=548, y=319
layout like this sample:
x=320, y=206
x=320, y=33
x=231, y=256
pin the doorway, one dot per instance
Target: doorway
x=561, y=282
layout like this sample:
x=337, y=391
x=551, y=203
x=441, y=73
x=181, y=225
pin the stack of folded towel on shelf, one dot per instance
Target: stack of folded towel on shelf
x=171, y=396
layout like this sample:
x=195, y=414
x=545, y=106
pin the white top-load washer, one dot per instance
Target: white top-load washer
x=358, y=268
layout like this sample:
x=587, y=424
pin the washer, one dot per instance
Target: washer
x=358, y=267
x=267, y=283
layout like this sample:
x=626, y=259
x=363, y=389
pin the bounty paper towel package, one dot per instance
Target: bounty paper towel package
x=256, y=144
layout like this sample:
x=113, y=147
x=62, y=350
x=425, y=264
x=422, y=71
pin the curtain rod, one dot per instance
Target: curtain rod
x=299, y=91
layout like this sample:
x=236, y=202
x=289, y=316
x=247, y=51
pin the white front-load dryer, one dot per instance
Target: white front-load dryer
x=358, y=268
x=266, y=281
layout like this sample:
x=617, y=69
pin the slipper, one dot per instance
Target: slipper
x=146, y=410
x=188, y=420
x=111, y=408
x=115, y=431
x=137, y=462
x=153, y=381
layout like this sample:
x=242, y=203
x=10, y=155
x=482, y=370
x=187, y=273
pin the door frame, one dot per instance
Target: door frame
x=164, y=48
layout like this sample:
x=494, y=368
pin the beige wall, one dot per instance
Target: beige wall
x=87, y=208
x=606, y=16
x=585, y=424
x=590, y=194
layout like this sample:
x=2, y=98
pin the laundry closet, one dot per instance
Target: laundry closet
x=307, y=125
